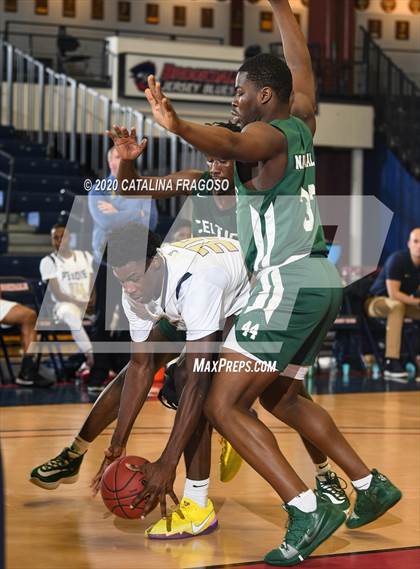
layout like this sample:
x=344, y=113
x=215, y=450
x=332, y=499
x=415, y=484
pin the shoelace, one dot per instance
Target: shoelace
x=60, y=461
x=293, y=534
x=333, y=485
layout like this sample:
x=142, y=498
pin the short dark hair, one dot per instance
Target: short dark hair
x=58, y=226
x=267, y=70
x=125, y=244
x=229, y=125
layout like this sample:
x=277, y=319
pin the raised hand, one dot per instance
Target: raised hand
x=158, y=482
x=161, y=106
x=111, y=454
x=126, y=142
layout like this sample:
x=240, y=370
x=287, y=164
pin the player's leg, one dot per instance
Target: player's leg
x=327, y=482
x=195, y=514
x=19, y=315
x=71, y=315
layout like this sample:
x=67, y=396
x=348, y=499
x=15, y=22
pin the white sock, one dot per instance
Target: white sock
x=197, y=490
x=362, y=483
x=306, y=501
x=79, y=446
x=322, y=469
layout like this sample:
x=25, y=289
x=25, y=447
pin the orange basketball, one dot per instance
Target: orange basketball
x=120, y=486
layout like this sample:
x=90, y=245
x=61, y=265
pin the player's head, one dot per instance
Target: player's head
x=263, y=83
x=222, y=169
x=132, y=254
x=113, y=160
x=182, y=231
x=414, y=244
x=60, y=237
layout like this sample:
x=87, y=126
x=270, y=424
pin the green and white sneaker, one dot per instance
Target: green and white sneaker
x=374, y=502
x=331, y=489
x=64, y=468
x=305, y=532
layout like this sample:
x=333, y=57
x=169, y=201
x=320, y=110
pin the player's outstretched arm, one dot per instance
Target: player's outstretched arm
x=137, y=383
x=257, y=142
x=160, y=475
x=299, y=62
x=129, y=179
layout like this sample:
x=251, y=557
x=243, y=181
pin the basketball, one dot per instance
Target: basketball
x=120, y=486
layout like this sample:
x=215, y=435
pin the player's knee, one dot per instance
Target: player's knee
x=29, y=316
x=212, y=411
x=397, y=306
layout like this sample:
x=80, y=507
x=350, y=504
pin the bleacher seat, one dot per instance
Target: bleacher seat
x=43, y=183
x=39, y=165
x=18, y=147
x=6, y=131
x=20, y=265
x=22, y=202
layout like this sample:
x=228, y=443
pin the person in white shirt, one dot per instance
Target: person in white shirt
x=69, y=274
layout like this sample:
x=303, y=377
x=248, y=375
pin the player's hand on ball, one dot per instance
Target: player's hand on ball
x=126, y=142
x=111, y=454
x=162, y=108
x=158, y=482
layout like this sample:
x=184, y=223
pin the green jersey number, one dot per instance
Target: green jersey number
x=308, y=196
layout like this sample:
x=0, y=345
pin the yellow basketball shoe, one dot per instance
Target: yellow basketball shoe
x=188, y=520
x=230, y=461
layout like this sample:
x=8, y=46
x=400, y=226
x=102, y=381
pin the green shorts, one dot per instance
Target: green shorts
x=170, y=331
x=288, y=314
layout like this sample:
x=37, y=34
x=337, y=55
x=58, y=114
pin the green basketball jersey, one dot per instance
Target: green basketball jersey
x=209, y=219
x=282, y=224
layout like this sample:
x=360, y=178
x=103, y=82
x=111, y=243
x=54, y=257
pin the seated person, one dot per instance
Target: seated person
x=69, y=274
x=396, y=295
x=14, y=314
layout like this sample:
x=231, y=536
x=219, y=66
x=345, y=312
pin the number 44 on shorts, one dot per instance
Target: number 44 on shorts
x=249, y=328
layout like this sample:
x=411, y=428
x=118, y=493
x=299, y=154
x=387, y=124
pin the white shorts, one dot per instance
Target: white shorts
x=5, y=307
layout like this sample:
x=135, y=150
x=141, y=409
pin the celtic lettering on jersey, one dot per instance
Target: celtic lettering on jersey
x=206, y=227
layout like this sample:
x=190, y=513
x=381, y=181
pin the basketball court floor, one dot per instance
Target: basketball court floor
x=68, y=529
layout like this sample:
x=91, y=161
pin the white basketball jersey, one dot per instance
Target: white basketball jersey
x=205, y=282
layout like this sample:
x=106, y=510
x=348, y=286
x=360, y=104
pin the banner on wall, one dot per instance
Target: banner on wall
x=181, y=78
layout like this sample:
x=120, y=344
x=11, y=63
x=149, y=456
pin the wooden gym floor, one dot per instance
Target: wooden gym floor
x=67, y=529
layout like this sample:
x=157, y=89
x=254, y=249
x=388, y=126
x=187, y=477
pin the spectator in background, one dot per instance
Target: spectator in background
x=110, y=210
x=14, y=314
x=70, y=276
x=396, y=295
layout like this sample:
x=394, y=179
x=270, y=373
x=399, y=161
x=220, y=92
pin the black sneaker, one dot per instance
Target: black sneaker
x=394, y=370
x=30, y=378
x=64, y=468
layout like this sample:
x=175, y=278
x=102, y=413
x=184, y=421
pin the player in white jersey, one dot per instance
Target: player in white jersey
x=198, y=284
x=69, y=274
